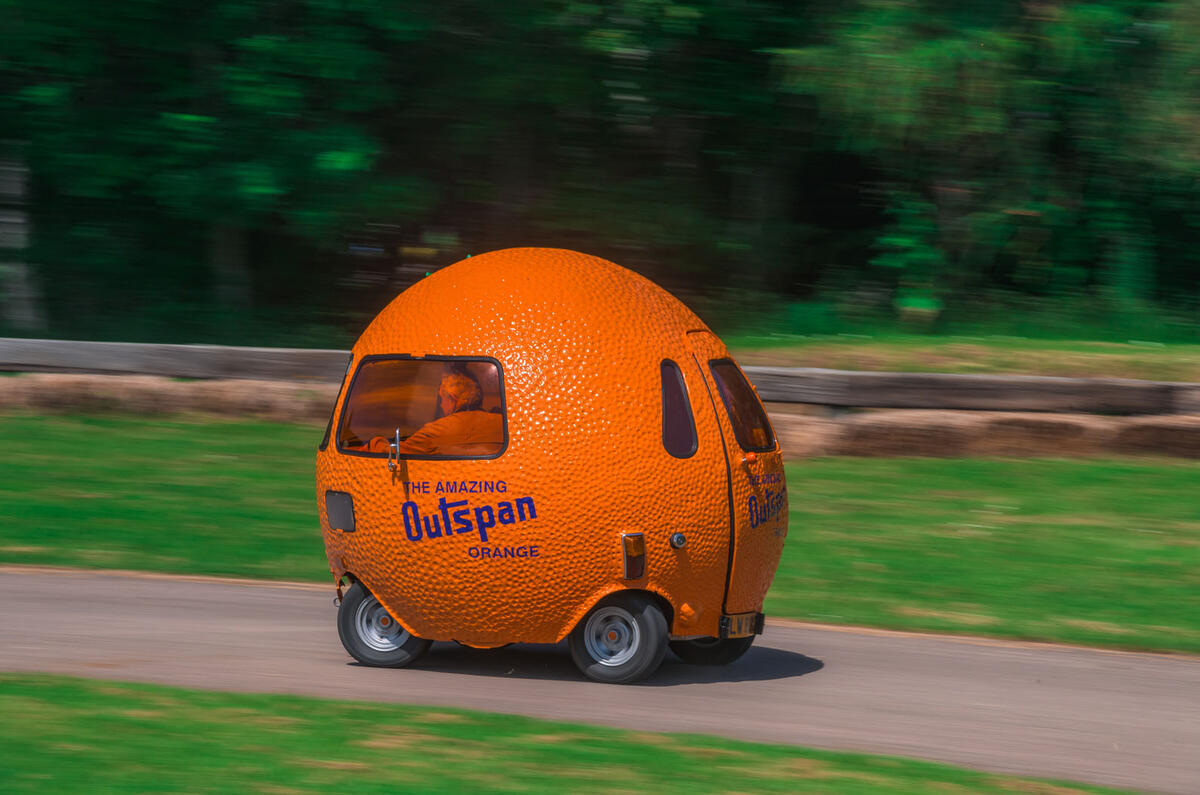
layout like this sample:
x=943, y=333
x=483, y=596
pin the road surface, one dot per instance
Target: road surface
x=1103, y=717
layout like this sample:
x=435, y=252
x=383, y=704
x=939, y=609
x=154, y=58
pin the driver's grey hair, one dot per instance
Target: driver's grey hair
x=466, y=393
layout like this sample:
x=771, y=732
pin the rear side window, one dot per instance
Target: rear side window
x=429, y=408
x=746, y=412
x=678, y=424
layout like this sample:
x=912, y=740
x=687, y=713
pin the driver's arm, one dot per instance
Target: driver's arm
x=378, y=444
x=425, y=441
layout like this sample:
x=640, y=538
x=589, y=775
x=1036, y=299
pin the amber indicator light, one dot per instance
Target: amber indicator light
x=635, y=555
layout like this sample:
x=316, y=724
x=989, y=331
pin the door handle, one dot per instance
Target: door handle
x=393, y=456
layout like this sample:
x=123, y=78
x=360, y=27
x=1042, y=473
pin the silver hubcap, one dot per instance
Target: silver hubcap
x=376, y=626
x=611, y=636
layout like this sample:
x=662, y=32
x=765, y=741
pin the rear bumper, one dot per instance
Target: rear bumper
x=742, y=625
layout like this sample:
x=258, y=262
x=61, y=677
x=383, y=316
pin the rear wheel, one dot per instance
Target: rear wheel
x=372, y=635
x=623, y=639
x=711, y=651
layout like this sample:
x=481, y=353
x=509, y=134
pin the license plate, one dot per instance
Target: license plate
x=741, y=625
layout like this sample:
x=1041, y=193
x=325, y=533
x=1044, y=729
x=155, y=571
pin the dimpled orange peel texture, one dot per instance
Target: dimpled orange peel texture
x=580, y=342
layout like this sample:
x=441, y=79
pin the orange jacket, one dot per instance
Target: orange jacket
x=460, y=433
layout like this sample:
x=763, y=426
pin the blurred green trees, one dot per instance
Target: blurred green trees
x=200, y=167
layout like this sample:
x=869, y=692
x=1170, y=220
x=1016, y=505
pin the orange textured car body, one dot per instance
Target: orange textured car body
x=579, y=343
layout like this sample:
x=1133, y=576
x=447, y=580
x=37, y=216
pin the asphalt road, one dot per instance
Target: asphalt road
x=1109, y=718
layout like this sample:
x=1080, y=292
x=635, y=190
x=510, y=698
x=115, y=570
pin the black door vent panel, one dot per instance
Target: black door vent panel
x=339, y=510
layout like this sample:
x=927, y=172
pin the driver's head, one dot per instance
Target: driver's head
x=459, y=393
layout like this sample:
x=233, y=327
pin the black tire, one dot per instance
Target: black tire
x=621, y=640
x=372, y=636
x=711, y=651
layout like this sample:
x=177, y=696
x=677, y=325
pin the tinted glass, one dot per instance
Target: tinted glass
x=438, y=408
x=678, y=425
x=746, y=412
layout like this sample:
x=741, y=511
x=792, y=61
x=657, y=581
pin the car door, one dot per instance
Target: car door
x=756, y=489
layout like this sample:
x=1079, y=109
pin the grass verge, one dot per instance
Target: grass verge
x=1101, y=552
x=79, y=735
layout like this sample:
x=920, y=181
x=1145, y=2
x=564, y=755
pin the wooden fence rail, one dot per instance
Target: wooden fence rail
x=850, y=389
x=839, y=389
x=177, y=361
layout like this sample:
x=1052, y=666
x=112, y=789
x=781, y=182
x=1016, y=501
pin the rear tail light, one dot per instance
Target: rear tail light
x=634, y=545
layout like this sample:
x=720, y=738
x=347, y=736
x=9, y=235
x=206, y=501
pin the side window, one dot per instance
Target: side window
x=336, y=400
x=746, y=412
x=678, y=424
x=434, y=408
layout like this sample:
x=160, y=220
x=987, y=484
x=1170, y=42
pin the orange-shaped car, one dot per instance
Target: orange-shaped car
x=536, y=444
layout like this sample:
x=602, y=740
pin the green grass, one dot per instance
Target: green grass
x=987, y=314
x=77, y=735
x=1103, y=552
x=225, y=498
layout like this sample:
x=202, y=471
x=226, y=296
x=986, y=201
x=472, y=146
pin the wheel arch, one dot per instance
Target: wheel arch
x=353, y=579
x=655, y=596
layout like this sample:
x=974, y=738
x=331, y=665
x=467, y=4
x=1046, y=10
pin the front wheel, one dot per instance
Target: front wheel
x=372, y=636
x=623, y=639
x=711, y=651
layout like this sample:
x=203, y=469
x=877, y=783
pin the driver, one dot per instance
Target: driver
x=464, y=429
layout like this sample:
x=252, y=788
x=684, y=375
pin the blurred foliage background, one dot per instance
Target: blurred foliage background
x=274, y=172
